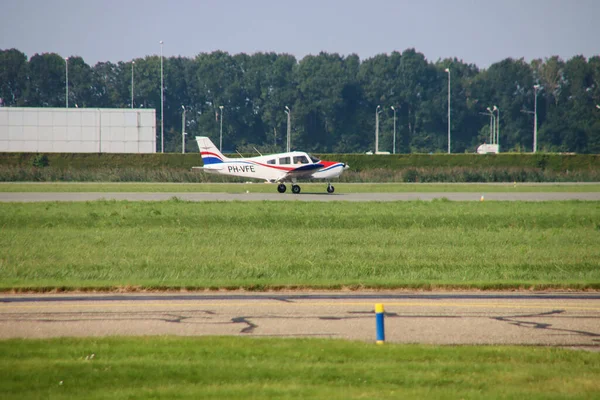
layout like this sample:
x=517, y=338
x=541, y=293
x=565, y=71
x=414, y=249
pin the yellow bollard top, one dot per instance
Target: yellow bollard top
x=378, y=308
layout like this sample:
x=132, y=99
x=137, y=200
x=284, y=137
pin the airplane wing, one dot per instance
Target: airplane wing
x=303, y=171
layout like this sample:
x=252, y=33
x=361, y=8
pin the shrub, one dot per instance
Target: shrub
x=40, y=161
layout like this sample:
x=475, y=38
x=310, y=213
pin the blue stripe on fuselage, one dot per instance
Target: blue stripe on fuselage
x=211, y=160
x=332, y=167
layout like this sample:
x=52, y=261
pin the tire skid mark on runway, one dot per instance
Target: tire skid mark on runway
x=245, y=320
x=517, y=321
x=171, y=316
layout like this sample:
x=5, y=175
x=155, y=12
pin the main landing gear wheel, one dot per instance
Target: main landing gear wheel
x=281, y=188
x=295, y=189
x=330, y=188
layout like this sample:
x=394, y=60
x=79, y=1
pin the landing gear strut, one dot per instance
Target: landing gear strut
x=330, y=188
x=281, y=188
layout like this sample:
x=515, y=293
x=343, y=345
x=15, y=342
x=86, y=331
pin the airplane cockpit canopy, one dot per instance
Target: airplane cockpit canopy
x=313, y=158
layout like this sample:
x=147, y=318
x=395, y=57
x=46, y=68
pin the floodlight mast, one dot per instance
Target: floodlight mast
x=448, y=71
x=67, y=82
x=497, y=109
x=492, y=125
x=162, y=108
x=221, y=131
x=535, y=123
x=132, y=64
x=377, y=112
x=183, y=130
x=289, y=128
x=394, y=146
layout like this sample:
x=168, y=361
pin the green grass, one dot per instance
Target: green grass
x=257, y=245
x=251, y=368
x=306, y=187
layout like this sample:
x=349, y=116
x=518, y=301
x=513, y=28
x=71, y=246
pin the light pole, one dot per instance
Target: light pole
x=162, y=125
x=67, y=82
x=221, y=131
x=377, y=112
x=394, y=146
x=132, y=64
x=289, y=128
x=492, y=126
x=535, y=90
x=491, y=114
x=183, y=130
x=448, y=71
x=497, y=109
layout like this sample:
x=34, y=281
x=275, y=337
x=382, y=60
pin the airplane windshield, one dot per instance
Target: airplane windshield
x=313, y=159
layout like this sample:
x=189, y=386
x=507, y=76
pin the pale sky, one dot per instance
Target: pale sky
x=475, y=31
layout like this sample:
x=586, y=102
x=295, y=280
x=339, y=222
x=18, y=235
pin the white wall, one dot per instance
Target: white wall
x=77, y=130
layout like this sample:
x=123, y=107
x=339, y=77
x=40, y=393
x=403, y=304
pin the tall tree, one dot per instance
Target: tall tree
x=47, y=81
x=332, y=98
x=13, y=77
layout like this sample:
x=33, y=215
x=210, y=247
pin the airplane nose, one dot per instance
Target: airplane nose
x=346, y=166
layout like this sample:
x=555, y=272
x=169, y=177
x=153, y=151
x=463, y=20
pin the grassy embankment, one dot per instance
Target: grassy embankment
x=306, y=187
x=175, y=244
x=244, y=368
x=404, y=174
x=173, y=167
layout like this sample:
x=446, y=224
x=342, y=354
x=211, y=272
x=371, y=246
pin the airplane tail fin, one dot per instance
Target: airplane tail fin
x=209, y=152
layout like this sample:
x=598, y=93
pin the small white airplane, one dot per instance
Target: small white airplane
x=282, y=167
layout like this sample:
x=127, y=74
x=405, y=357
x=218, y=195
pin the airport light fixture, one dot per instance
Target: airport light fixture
x=491, y=114
x=289, y=128
x=162, y=108
x=448, y=71
x=377, y=112
x=221, y=131
x=492, y=126
x=535, y=90
x=132, y=64
x=183, y=130
x=497, y=109
x=67, y=82
x=394, y=146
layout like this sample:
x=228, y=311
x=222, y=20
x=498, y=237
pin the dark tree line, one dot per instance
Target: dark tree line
x=333, y=99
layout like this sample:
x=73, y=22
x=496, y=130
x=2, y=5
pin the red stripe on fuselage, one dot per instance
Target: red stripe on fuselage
x=327, y=164
x=208, y=153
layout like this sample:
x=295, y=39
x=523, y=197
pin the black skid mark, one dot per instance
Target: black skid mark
x=244, y=320
x=513, y=320
x=107, y=316
x=355, y=315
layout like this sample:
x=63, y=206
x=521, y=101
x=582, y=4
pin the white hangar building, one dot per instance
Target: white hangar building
x=77, y=130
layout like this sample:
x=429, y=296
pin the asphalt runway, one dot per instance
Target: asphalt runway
x=523, y=318
x=353, y=197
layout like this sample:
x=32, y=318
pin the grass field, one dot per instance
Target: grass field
x=250, y=368
x=258, y=245
x=306, y=187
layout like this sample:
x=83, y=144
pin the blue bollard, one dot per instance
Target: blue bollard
x=379, y=315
